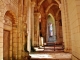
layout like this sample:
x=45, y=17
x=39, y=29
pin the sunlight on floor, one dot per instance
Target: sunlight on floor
x=51, y=55
x=37, y=49
x=41, y=56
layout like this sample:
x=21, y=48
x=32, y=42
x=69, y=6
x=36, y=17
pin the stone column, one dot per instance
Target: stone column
x=1, y=38
x=29, y=26
x=43, y=27
x=57, y=31
x=10, y=49
x=32, y=22
x=14, y=42
x=36, y=29
x=19, y=43
x=65, y=26
x=1, y=29
x=24, y=28
x=20, y=29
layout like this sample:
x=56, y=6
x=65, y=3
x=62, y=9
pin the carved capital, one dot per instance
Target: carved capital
x=33, y=4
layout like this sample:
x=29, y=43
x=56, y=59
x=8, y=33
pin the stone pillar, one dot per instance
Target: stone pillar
x=36, y=29
x=24, y=28
x=20, y=38
x=20, y=30
x=10, y=49
x=1, y=28
x=1, y=39
x=29, y=26
x=57, y=30
x=32, y=22
x=65, y=26
x=43, y=27
x=14, y=42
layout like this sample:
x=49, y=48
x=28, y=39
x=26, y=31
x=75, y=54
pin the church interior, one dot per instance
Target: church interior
x=39, y=29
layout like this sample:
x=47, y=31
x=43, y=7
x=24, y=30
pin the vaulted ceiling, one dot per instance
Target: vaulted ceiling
x=48, y=6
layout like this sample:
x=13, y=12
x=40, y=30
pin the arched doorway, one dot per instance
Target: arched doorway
x=51, y=31
x=7, y=35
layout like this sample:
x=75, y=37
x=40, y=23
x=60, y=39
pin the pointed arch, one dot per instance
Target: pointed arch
x=51, y=21
x=57, y=1
x=51, y=6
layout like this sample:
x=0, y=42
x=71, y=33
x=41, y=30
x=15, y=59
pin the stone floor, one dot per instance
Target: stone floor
x=50, y=56
x=40, y=54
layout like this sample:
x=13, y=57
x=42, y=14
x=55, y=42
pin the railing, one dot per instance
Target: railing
x=54, y=45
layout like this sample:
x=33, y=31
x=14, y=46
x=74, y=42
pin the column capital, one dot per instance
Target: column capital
x=37, y=13
x=33, y=4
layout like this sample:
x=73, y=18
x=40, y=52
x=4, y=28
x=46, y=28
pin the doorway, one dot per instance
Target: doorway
x=6, y=46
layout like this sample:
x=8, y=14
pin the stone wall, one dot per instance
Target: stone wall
x=15, y=7
x=70, y=18
x=74, y=12
x=8, y=5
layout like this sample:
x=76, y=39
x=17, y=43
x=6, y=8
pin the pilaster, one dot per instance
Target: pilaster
x=65, y=26
x=29, y=26
x=32, y=22
x=36, y=29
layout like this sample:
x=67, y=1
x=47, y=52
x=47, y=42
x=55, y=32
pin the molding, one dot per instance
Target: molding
x=40, y=3
x=50, y=6
x=57, y=1
x=33, y=4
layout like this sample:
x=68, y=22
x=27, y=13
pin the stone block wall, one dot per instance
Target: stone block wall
x=73, y=17
x=16, y=37
x=73, y=11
